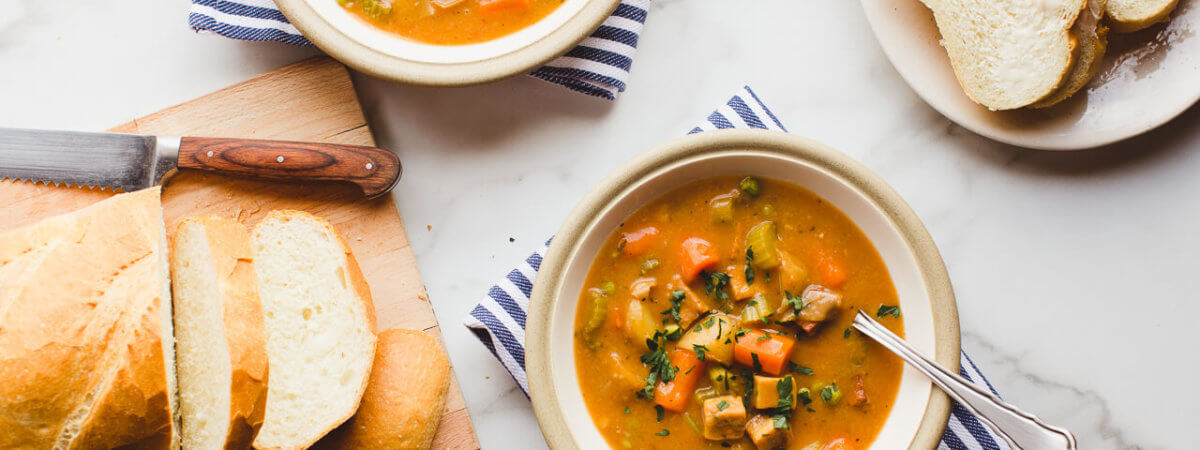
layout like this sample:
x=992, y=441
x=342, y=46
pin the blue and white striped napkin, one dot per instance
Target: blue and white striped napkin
x=598, y=66
x=499, y=320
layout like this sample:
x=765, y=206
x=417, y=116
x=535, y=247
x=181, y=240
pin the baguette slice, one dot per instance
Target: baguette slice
x=1092, y=37
x=405, y=398
x=1008, y=54
x=320, y=328
x=1127, y=16
x=222, y=355
x=86, y=342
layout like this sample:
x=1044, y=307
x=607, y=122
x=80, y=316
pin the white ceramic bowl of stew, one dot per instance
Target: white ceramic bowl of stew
x=384, y=54
x=919, y=414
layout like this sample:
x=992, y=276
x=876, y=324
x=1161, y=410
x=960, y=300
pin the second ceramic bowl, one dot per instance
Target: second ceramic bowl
x=919, y=414
x=389, y=56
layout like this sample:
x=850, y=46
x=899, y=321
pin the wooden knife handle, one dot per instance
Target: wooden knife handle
x=375, y=170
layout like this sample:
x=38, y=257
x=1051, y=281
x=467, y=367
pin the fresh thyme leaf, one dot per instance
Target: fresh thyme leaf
x=885, y=310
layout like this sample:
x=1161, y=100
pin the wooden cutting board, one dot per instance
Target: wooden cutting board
x=312, y=100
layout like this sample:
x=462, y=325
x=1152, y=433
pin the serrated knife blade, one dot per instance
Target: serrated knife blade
x=99, y=160
x=130, y=162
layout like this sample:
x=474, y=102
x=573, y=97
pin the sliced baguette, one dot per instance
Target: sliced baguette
x=1092, y=37
x=405, y=398
x=221, y=343
x=86, y=341
x=1127, y=16
x=1009, y=54
x=320, y=328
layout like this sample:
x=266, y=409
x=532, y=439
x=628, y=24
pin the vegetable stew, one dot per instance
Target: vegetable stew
x=718, y=316
x=451, y=22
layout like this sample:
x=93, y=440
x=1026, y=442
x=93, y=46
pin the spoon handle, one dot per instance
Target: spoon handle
x=1018, y=428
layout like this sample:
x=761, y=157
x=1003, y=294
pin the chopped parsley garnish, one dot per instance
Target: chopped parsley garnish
x=627, y=411
x=804, y=396
x=766, y=335
x=783, y=410
x=757, y=365
x=721, y=405
x=781, y=422
x=660, y=365
x=740, y=332
x=796, y=368
x=676, y=300
x=796, y=302
x=658, y=411
x=664, y=432
x=715, y=283
x=846, y=334
x=886, y=310
x=699, y=349
x=830, y=394
x=749, y=266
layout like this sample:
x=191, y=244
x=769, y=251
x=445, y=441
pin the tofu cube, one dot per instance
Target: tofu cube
x=766, y=391
x=763, y=433
x=724, y=418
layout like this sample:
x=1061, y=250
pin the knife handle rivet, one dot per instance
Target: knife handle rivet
x=370, y=166
x=210, y=153
x=279, y=158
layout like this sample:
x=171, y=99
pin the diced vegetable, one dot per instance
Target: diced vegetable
x=673, y=395
x=769, y=350
x=648, y=265
x=376, y=9
x=596, y=319
x=693, y=306
x=750, y=186
x=705, y=393
x=608, y=287
x=640, y=324
x=637, y=242
x=838, y=444
x=765, y=435
x=721, y=208
x=793, y=276
x=858, y=396
x=766, y=392
x=713, y=336
x=738, y=286
x=495, y=6
x=724, y=418
x=758, y=309
x=640, y=288
x=828, y=269
x=830, y=394
x=768, y=210
x=761, y=240
x=696, y=254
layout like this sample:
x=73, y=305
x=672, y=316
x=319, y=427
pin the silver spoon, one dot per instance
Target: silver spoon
x=1019, y=429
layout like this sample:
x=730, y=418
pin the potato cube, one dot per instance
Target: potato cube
x=724, y=418
x=766, y=391
x=763, y=433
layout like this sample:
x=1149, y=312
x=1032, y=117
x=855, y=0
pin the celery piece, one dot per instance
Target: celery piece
x=596, y=319
x=721, y=209
x=761, y=240
x=377, y=9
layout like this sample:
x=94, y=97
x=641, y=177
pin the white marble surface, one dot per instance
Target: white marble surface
x=1074, y=271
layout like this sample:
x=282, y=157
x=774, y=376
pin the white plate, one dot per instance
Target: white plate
x=1147, y=79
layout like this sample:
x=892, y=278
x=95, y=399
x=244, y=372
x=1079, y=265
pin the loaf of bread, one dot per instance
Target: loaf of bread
x=320, y=324
x=86, y=349
x=1011, y=54
x=221, y=342
x=405, y=398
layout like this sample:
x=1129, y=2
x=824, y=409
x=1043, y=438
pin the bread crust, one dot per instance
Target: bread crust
x=242, y=315
x=1128, y=16
x=81, y=329
x=1093, y=39
x=354, y=278
x=405, y=399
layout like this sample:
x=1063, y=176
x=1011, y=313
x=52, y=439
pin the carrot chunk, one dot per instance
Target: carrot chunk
x=829, y=269
x=494, y=6
x=637, y=242
x=769, y=349
x=674, y=395
x=696, y=254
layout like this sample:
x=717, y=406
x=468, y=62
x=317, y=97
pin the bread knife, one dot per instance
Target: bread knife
x=130, y=162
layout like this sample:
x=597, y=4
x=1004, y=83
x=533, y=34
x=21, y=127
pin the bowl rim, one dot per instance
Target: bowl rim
x=378, y=64
x=613, y=187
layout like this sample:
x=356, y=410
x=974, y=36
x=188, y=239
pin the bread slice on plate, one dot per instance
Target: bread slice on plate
x=87, y=355
x=405, y=398
x=221, y=343
x=1092, y=37
x=320, y=325
x=1127, y=16
x=1009, y=54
